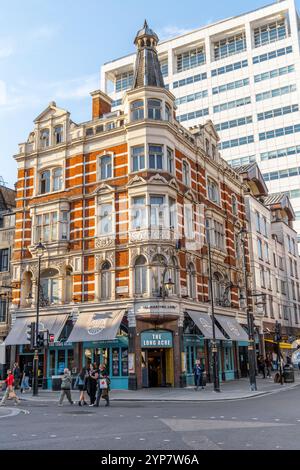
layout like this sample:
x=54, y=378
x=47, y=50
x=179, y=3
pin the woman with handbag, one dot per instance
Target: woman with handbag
x=9, y=392
x=103, y=386
x=92, y=384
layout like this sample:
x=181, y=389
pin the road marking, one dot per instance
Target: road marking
x=194, y=417
x=255, y=419
x=121, y=416
x=15, y=435
x=138, y=416
x=52, y=435
x=155, y=416
x=248, y=445
x=118, y=438
x=233, y=417
x=278, y=447
x=212, y=417
x=221, y=416
x=33, y=435
x=298, y=420
x=277, y=419
x=166, y=440
x=142, y=439
x=105, y=416
x=220, y=443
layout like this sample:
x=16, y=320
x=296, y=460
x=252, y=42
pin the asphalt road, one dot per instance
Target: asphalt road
x=268, y=422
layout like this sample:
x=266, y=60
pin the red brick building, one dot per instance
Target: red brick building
x=121, y=204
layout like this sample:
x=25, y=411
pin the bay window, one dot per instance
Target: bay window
x=139, y=218
x=138, y=158
x=156, y=157
x=137, y=110
x=46, y=227
x=51, y=180
x=157, y=211
x=154, y=109
x=170, y=160
x=172, y=213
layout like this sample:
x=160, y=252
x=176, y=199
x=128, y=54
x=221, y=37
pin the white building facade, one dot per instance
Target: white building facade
x=243, y=73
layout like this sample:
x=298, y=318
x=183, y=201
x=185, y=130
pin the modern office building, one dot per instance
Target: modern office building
x=243, y=73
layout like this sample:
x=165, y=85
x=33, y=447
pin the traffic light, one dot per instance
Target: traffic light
x=43, y=339
x=30, y=334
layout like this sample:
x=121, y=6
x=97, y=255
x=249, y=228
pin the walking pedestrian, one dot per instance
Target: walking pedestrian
x=198, y=374
x=261, y=366
x=66, y=383
x=25, y=379
x=81, y=384
x=9, y=392
x=92, y=383
x=103, y=386
x=268, y=364
x=17, y=375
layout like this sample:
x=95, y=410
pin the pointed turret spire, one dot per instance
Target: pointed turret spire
x=147, y=67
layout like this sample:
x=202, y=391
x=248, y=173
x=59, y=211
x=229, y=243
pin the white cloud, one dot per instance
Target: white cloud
x=170, y=31
x=43, y=32
x=6, y=51
x=77, y=88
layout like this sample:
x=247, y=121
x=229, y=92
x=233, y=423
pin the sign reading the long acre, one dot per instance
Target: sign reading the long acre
x=156, y=339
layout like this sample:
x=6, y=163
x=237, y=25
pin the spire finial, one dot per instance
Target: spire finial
x=145, y=24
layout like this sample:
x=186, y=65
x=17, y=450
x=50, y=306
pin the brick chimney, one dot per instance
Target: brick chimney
x=101, y=104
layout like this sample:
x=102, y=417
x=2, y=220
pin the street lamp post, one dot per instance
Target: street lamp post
x=40, y=251
x=214, y=348
x=250, y=320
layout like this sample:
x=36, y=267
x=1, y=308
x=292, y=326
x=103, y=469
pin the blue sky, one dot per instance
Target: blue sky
x=53, y=50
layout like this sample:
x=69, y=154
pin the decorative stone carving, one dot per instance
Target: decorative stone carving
x=158, y=179
x=104, y=242
x=173, y=183
x=136, y=180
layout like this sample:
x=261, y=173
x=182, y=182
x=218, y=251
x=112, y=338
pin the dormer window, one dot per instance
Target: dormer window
x=105, y=167
x=185, y=173
x=137, y=110
x=45, y=140
x=58, y=134
x=154, y=109
x=213, y=191
x=45, y=182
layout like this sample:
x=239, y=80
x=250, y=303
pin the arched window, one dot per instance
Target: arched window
x=185, y=173
x=105, y=167
x=137, y=110
x=154, y=109
x=218, y=287
x=45, y=140
x=140, y=276
x=58, y=134
x=106, y=281
x=213, y=191
x=158, y=275
x=57, y=179
x=191, y=285
x=168, y=113
x=45, y=182
x=49, y=287
x=234, y=204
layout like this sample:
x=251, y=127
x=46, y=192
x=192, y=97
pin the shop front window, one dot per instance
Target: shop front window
x=61, y=362
x=70, y=359
x=115, y=362
x=228, y=359
x=124, y=362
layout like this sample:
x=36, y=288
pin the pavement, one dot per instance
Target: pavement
x=232, y=390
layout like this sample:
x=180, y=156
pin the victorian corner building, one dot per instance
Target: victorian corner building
x=122, y=204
